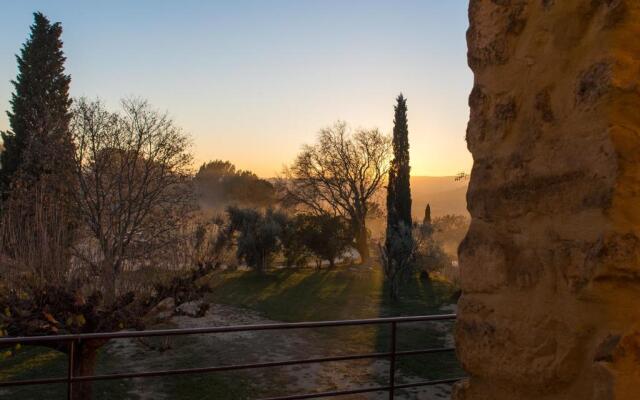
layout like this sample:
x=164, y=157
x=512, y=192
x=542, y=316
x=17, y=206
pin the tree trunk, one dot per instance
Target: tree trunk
x=393, y=287
x=109, y=280
x=362, y=242
x=84, y=364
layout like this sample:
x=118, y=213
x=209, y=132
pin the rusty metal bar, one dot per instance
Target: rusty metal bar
x=72, y=345
x=392, y=362
x=429, y=383
x=221, y=368
x=222, y=329
x=329, y=394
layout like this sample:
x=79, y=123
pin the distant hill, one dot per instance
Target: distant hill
x=444, y=193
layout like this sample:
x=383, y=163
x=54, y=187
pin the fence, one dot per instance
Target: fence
x=392, y=354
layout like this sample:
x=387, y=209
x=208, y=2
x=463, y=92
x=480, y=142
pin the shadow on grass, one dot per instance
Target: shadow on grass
x=420, y=297
x=284, y=295
x=34, y=362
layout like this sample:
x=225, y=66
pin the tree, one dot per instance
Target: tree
x=340, y=175
x=399, y=243
x=292, y=237
x=398, y=270
x=427, y=215
x=131, y=205
x=326, y=236
x=39, y=142
x=257, y=235
x=133, y=193
x=426, y=229
x=399, y=191
x=219, y=183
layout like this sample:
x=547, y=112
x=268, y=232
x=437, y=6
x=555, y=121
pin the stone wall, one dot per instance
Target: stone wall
x=551, y=264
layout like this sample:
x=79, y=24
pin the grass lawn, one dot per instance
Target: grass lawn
x=282, y=295
x=292, y=295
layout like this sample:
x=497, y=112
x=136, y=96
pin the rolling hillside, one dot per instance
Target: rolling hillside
x=444, y=193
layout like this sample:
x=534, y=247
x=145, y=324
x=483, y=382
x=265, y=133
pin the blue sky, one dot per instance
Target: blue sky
x=252, y=81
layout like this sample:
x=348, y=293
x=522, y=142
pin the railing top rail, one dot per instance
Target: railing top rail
x=220, y=329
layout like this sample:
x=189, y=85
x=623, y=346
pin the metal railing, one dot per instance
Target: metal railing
x=392, y=355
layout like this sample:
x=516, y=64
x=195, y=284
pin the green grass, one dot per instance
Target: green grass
x=40, y=362
x=308, y=295
x=284, y=295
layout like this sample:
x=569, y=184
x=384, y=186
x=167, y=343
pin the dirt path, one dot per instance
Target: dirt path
x=249, y=347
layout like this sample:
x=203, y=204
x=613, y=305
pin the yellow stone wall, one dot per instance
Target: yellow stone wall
x=550, y=268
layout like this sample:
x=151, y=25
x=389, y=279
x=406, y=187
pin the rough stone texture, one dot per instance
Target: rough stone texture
x=551, y=264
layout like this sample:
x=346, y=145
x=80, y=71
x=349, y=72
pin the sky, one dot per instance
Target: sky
x=251, y=81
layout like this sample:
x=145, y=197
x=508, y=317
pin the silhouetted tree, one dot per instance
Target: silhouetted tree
x=294, y=249
x=399, y=247
x=257, y=235
x=427, y=215
x=39, y=142
x=340, y=175
x=426, y=229
x=219, y=183
x=326, y=236
x=400, y=190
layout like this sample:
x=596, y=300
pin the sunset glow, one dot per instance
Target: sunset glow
x=253, y=81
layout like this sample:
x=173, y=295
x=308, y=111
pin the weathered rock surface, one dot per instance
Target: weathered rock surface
x=551, y=264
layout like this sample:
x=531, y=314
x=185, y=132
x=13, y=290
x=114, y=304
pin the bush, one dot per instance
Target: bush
x=326, y=236
x=257, y=235
x=294, y=249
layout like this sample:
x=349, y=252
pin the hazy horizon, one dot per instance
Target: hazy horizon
x=252, y=82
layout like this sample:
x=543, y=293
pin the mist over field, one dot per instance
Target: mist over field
x=445, y=194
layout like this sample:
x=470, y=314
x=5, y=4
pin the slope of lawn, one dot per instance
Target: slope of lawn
x=292, y=295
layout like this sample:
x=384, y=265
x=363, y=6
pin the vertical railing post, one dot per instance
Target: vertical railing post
x=392, y=362
x=72, y=350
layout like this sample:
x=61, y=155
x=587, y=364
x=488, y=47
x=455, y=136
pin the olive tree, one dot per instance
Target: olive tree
x=340, y=175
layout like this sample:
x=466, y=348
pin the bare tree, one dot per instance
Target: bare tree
x=131, y=202
x=340, y=174
x=35, y=238
x=133, y=196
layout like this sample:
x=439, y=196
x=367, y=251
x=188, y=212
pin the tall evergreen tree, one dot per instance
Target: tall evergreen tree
x=427, y=215
x=398, y=189
x=399, y=242
x=400, y=162
x=426, y=229
x=39, y=142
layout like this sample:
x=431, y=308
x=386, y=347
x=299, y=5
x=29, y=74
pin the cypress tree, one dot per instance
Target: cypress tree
x=426, y=229
x=401, y=162
x=427, y=215
x=399, y=238
x=39, y=142
x=398, y=188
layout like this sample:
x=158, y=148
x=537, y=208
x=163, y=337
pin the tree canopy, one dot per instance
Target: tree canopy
x=219, y=184
x=39, y=142
x=340, y=175
x=399, y=244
